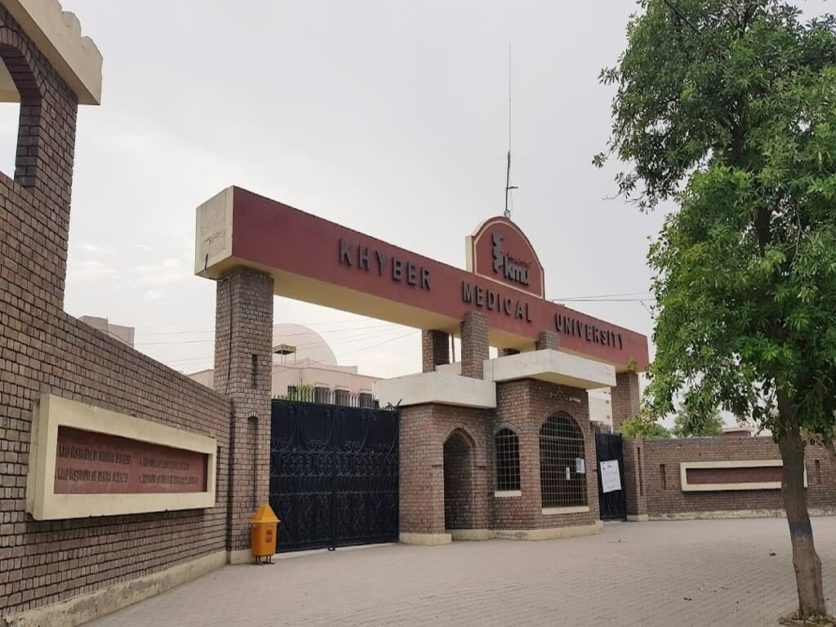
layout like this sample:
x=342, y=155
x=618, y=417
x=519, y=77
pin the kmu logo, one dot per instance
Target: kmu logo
x=506, y=265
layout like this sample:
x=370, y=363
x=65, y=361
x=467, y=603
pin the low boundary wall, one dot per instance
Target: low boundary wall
x=724, y=477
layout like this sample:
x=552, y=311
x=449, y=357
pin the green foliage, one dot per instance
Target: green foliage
x=303, y=392
x=728, y=107
x=690, y=423
x=642, y=427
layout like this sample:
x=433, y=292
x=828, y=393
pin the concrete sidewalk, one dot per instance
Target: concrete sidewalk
x=690, y=573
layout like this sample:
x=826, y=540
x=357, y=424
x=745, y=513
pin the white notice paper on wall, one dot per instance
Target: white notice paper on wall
x=610, y=479
x=568, y=474
x=580, y=465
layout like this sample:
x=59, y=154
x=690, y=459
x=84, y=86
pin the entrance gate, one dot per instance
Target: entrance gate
x=333, y=475
x=613, y=503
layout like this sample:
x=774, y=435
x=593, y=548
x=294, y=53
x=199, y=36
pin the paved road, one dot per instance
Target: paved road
x=695, y=573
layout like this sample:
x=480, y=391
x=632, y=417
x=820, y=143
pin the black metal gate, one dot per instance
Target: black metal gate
x=613, y=503
x=333, y=474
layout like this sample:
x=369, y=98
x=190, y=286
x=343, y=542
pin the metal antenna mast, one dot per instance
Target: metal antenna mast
x=508, y=186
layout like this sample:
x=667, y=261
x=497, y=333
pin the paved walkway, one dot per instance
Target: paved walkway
x=695, y=573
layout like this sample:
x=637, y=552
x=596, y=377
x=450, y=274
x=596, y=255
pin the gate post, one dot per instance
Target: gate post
x=634, y=490
x=626, y=398
x=243, y=361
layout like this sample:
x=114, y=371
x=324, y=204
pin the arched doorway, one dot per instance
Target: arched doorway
x=458, y=482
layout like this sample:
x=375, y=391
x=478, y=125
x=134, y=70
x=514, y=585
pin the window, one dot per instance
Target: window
x=507, y=460
x=342, y=397
x=562, y=464
x=366, y=400
x=322, y=394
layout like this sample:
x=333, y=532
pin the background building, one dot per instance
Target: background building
x=600, y=407
x=305, y=368
x=116, y=331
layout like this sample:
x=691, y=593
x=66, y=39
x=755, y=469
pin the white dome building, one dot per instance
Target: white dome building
x=305, y=368
x=303, y=345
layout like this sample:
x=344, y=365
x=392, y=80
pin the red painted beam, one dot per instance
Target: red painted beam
x=320, y=261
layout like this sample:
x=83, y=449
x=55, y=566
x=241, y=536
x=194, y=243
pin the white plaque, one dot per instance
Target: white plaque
x=580, y=465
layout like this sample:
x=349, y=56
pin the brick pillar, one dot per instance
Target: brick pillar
x=435, y=349
x=548, y=339
x=634, y=479
x=243, y=360
x=625, y=398
x=474, y=344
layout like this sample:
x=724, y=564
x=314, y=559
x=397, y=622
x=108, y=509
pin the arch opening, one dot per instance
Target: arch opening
x=458, y=482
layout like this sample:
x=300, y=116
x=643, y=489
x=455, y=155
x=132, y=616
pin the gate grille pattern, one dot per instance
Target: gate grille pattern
x=333, y=475
x=561, y=445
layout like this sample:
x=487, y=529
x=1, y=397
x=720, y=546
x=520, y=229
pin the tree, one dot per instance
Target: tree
x=690, y=423
x=642, y=427
x=728, y=109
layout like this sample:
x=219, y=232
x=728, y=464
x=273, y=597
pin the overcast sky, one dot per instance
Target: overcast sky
x=389, y=117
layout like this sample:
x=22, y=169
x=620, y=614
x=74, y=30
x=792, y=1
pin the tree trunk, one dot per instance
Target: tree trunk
x=805, y=560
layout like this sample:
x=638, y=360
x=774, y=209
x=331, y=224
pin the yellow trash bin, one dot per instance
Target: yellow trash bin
x=264, y=533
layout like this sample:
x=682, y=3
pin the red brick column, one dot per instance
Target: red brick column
x=243, y=357
x=435, y=349
x=548, y=339
x=635, y=479
x=474, y=344
x=625, y=398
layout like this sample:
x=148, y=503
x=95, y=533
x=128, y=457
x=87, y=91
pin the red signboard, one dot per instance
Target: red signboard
x=317, y=261
x=501, y=252
x=755, y=474
x=88, y=462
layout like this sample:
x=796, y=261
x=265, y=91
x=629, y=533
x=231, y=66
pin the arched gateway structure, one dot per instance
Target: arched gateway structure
x=453, y=415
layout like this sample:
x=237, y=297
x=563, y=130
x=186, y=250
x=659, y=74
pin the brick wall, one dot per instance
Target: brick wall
x=44, y=350
x=665, y=497
x=423, y=431
x=524, y=406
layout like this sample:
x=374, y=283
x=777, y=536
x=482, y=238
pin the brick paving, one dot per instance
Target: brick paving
x=685, y=573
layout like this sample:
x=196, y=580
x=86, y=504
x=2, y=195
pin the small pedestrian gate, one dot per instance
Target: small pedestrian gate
x=333, y=474
x=611, y=496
